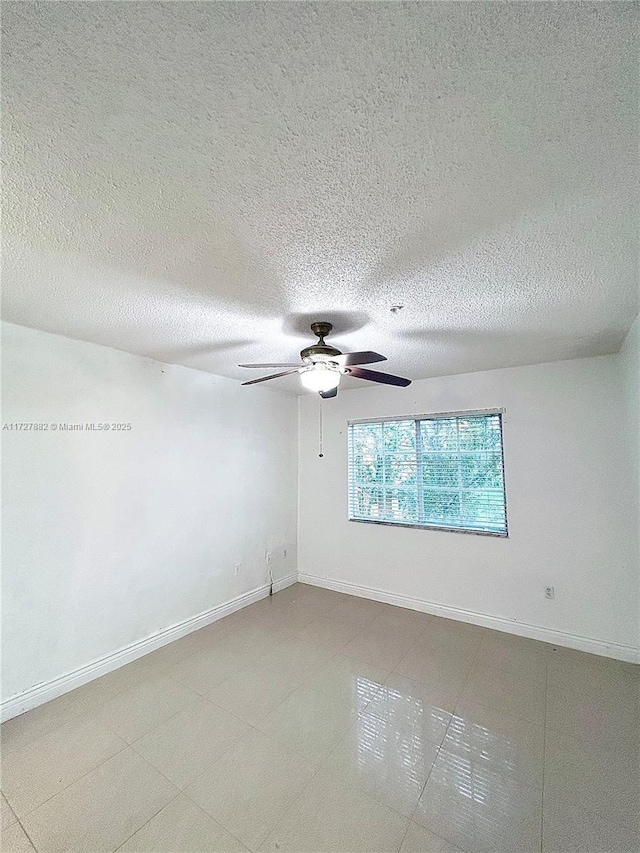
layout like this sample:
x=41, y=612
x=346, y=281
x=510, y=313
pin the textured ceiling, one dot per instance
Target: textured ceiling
x=198, y=181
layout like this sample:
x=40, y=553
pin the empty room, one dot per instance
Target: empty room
x=320, y=427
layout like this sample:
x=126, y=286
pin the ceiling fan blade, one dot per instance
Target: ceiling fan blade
x=375, y=376
x=283, y=364
x=366, y=357
x=326, y=395
x=273, y=376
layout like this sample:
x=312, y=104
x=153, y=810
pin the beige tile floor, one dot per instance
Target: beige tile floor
x=315, y=721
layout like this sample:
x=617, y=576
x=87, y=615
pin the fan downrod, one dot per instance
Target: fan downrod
x=320, y=348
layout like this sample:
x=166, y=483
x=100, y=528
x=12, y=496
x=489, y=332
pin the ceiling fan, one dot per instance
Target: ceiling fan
x=322, y=366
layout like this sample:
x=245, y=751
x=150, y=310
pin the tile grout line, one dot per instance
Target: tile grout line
x=455, y=711
x=22, y=827
x=91, y=709
x=115, y=849
x=474, y=660
x=183, y=793
x=318, y=767
x=506, y=672
x=215, y=761
x=371, y=796
x=253, y=727
x=453, y=714
x=516, y=779
x=56, y=728
x=321, y=766
x=66, y=787
x=94, y=710
x=166, y=720
x=415, y=808
x=126, y=746
x=179, y=792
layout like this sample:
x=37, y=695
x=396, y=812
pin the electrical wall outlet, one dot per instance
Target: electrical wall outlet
x=549, y=592
x=268, y=558
x=238, y=566
x=284, y=553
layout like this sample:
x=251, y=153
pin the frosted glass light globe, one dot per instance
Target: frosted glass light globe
x=319, y=377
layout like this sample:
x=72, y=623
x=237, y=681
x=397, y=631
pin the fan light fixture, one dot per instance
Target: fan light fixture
x=319, y=377
x=322, y=365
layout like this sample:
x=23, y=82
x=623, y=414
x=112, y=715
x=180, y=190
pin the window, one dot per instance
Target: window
x=443, y=472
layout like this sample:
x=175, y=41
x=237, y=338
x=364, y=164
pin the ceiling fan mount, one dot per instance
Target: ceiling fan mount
x=322, y=366
x=321, y=329
x=320, y=351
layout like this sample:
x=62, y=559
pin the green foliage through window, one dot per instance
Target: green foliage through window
x=434, y=472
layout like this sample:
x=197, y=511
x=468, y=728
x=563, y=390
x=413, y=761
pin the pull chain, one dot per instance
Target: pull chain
x=320, y=454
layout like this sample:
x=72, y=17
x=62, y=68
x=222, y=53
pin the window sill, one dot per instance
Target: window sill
x=498, y=534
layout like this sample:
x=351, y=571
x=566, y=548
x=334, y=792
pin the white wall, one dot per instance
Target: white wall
x=110, y=537
x=630, y=362
x=569, y=494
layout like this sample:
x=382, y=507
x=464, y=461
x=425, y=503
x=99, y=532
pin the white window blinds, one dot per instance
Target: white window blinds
x=441, y=472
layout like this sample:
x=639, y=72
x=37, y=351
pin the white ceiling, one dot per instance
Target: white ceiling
x=198, y=181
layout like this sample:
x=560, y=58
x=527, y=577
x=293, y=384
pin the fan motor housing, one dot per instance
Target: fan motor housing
x=319, y=353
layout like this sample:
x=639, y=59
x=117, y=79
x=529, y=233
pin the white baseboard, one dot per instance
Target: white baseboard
x=522, y=629
x=47, y=690
x=283, y=583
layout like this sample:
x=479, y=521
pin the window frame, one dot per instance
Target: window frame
x=423, y=417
